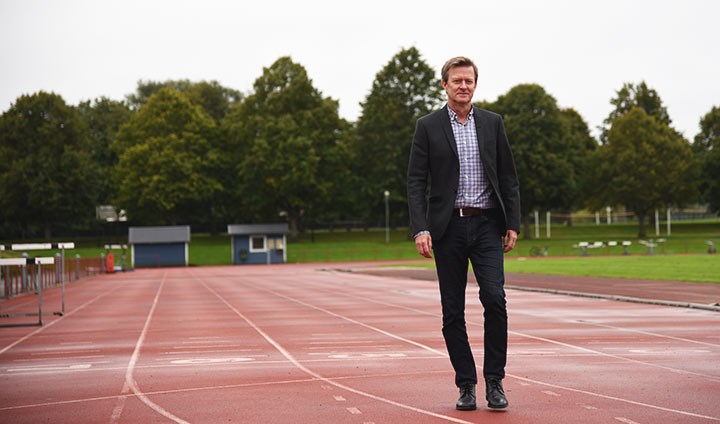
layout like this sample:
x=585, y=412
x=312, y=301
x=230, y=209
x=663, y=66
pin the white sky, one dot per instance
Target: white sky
x=581, y=52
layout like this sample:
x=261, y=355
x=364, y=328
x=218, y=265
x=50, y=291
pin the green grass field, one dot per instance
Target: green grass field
x=696, y=268
x=683, y=256
x=692, y=268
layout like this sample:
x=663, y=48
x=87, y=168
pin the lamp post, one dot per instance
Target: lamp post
x=387, y=216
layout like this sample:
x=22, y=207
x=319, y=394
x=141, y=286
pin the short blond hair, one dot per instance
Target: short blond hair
x=459, y=61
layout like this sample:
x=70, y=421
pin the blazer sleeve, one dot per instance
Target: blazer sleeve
x=508, y=183
x=417, y=179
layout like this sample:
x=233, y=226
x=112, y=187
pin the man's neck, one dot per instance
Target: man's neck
x=462, y=111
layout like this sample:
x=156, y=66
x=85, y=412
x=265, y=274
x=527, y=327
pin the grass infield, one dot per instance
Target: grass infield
x=681, y=256
x=695, y=268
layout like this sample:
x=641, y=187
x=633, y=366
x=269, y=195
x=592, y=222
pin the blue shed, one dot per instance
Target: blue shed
x=258, y=243
x=153, y=247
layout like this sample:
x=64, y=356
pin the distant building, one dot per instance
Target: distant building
x=258, y=243
x=153, y=247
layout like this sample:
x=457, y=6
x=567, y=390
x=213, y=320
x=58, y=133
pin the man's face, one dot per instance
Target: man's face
x=460, y=85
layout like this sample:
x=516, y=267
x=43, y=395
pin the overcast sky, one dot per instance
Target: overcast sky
x=581, y=52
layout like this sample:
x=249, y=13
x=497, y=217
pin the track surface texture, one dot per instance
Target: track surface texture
x=314, y=344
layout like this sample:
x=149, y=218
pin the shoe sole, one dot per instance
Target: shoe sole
x=466, y=408
x=497, y=406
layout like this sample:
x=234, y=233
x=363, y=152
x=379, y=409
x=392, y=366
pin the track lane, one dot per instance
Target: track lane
x=354, y=332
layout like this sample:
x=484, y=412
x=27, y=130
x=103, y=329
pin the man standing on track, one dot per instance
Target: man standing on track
x=461, y=153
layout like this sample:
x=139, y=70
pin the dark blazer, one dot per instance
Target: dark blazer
x=434, y=163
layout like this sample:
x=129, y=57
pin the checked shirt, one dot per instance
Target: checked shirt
x=474, y=190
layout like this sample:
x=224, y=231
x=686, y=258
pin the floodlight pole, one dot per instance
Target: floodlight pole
x=387, y=216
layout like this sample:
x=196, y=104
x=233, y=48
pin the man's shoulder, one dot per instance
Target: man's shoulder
x=435, y=115
x=481, y=113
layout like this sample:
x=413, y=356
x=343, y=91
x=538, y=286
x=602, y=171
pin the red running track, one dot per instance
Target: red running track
x=297, y=344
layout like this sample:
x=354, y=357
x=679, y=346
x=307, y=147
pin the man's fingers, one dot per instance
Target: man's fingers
x=423, y=244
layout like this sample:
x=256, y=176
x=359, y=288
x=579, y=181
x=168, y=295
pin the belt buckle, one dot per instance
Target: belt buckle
x=461, y=213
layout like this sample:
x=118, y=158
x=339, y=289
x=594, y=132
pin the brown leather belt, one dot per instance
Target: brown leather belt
x=463, y=212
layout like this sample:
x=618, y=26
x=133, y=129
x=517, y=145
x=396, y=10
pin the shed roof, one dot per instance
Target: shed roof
x=248, y=229
x=169, y=234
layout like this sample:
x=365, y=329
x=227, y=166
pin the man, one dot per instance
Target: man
x=461, y=153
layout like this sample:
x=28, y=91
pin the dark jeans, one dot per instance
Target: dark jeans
x=477, y=239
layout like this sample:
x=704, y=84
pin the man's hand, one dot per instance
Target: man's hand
x=508, y=241
x=423, y=244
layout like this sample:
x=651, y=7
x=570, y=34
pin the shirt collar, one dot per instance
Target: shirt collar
x=453, y=115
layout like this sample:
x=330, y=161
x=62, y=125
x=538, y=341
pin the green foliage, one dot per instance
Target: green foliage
x=46, y=168
x=550, y=147
x=165, y=158
x=403, y=91
x=104, y=118
x=707, y=151
x=215, y=99
x=644, y=165
x=636, y=95
x=286, y=140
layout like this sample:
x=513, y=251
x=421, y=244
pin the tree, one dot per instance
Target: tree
x=103, y=118
x=286, y=139
x=707, y=152
x=636, y=95
x=548, y=146
x=578, y=146
x=46, y=171
x=215, y=99
x=644, y=165
x=165, y=161
x=403, y=91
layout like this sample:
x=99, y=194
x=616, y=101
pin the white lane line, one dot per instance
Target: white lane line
x=549, y=341
x=64, y=352
x=632, y=402
x=542, y=339
x=308, y=371
x=626, y=420
x=354, y=411
x=46, y=368
x=130, y=383
x=647, y=333
x=339, y=398
x=51, y=323
x=209, y=389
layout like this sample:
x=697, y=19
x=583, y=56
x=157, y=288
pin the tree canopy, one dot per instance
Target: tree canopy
x=550, y=148
x=199, y=153
x=215, y=99
x=165, y=160
x=403, y=91
x=644, y=165
x=707, y=150
x=46, y=168
x=286, y=140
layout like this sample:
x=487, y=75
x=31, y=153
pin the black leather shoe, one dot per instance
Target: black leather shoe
x=466, y=402
x=495, y=394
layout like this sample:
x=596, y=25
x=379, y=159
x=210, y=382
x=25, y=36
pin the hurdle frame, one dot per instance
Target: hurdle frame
x=38, y=286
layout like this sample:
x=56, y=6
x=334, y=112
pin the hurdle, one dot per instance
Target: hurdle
x=45, y=246
x=37, y=285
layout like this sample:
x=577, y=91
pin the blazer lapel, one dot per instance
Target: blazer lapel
x=478, y=130
x=447, y=129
